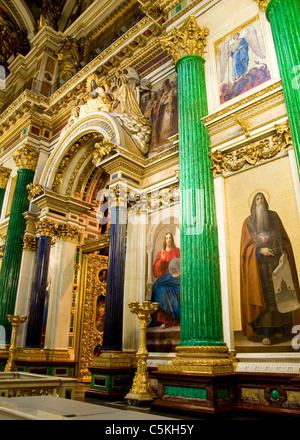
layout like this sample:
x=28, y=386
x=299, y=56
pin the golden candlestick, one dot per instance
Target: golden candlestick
x=141, y=391
x=16, y=321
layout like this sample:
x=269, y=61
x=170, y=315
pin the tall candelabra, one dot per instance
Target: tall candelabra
x=16, y=321
x=141, y=391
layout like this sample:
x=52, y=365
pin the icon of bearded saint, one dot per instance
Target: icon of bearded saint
x=264, y=245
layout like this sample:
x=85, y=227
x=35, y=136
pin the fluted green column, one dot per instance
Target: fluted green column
x=200, y=292
x=26, y=159
x=284, y=17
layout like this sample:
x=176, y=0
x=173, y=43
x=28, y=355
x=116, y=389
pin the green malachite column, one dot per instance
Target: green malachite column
x=284, y=17
x=26, y=159
x=202, y=344
x=200, y=276
x=4, y=175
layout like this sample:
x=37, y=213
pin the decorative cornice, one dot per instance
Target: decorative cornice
x=4, y=176
x=189, y=39
x=26, y=157
x=274, y=90
x=253, y=154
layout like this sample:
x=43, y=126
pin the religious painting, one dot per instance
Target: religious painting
x=163, y=332
x=263, y=224
x=160, y=107
x=241, y=60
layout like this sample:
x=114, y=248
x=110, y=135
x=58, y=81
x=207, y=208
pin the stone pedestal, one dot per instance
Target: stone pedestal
x=112, y=375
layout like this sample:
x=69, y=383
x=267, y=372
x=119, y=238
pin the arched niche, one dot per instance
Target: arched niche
x=70, y=158
x=160, y=222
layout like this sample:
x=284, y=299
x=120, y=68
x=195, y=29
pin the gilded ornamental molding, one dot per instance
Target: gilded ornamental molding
x=4, y=176
x=102, y=148
x=34, y=190
x=245, y=124
x=189, y=39
x=262, y=4
x=253, y=153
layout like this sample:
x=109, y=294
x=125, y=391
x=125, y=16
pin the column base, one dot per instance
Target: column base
x=112, y=375
x=195, y=392
x=203, y=359
x=199, y=379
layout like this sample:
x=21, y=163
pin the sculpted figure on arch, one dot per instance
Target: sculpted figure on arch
x=120, y=97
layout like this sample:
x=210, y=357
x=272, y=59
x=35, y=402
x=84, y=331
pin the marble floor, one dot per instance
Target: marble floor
x=81, y=408
x=57, y=408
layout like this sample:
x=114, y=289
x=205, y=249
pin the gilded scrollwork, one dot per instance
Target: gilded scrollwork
x=245, y=124
x=102, y=148
x=252, y=154
x=4, y=176
x=34, y=190
x=262, y=4
x=93, y=312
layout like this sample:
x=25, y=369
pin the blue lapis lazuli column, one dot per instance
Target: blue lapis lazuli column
x=113, y=323
x=35, y=319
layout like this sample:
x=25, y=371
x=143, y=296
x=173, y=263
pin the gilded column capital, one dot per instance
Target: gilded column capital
x=30, y=243
x=26, y=157
x=189, y=39
x=66, y=232
x=46, y=227
x=4, y=176
x=262, y=4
